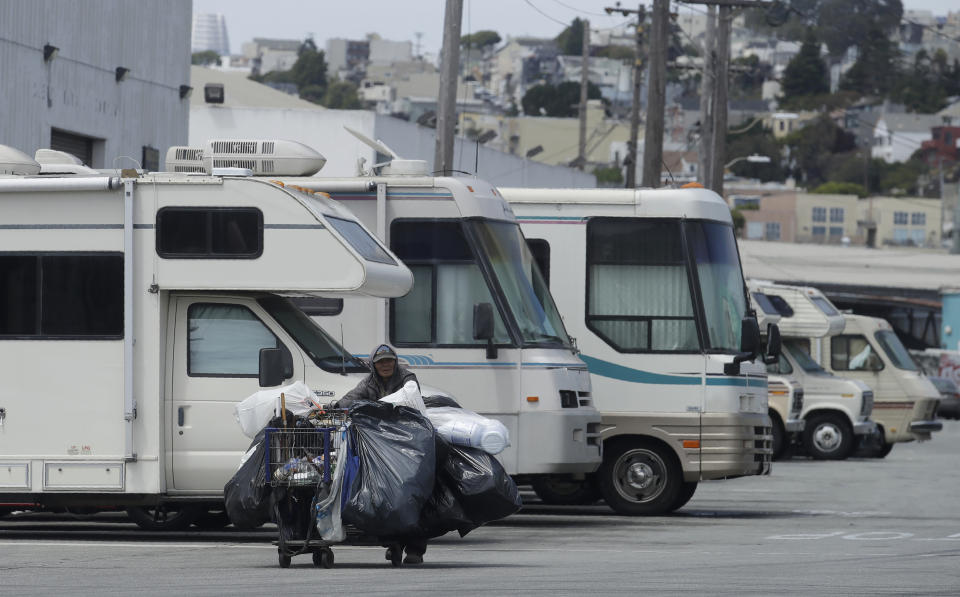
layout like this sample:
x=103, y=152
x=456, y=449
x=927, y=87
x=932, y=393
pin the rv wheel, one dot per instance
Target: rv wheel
x=164, y=517
x=828, y=437
x=211, y=520
x=640, y=478
x=686, y=492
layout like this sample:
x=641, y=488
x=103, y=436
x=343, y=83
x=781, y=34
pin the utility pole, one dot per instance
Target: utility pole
x=584, y=83
x=447, y=101
x=656, y=95
x=706, y=98
x=637, y=79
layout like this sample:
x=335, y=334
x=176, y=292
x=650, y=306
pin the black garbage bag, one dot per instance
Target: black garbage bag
x=293, y=513
x=443, y=513
x=483, y=488
x=440, y=400
x=246, y=496
x=396, y=452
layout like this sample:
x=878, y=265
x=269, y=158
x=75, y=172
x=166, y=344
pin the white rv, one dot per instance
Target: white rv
x=135, y=312
x=480, y=320
x=650, y=283
x=836, y=411
x=905, y=402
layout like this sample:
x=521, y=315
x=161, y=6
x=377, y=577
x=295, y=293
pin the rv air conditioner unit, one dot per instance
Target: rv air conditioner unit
x=265, y=158
x=185, y=159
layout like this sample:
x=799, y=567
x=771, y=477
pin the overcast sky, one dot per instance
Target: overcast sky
x=401, y=19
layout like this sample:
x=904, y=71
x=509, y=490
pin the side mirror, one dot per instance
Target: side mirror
x=483, y=327
x=271, y=367
x=773, y=344
x=749, y=345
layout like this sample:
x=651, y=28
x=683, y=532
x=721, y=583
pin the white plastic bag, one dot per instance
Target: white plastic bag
x=463, y=427
x=256, y=410
x=329, y=523
x=408, y=395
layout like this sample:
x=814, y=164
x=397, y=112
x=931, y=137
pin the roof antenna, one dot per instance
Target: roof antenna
x=673, y=183
x=343, y=355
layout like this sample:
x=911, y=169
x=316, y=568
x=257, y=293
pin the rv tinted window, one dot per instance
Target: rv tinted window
x=67, y=296
x=429, y=241
x=209, y=233
x=853, y=353
x=780, y=305
x=541, y=254
x=824, y=305
x=316, y=306
x=225, y=341
x=361, y=241
x=763, y=301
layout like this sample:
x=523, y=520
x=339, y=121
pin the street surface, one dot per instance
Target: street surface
x=857, y=527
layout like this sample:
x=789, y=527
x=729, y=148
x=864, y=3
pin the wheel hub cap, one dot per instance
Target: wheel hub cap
x=640, y=476
x=827, y=437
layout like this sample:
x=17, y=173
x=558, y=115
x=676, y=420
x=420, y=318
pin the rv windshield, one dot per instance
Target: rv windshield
x=895, y=350
x=721, y=281
x=502, y=245
x=799, y=354
x=323, y=350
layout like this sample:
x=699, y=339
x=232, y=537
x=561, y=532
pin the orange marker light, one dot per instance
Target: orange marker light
x=533, y=398
x=691, y=443
x=470, y=188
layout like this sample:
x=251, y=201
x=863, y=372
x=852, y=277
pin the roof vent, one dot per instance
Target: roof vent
x=14, y=161
x=52, y=156
x=185, y=159
x=273, y=157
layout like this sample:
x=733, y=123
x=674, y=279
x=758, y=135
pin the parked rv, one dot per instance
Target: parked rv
x=836, y=411
x=138, y=310
x=650, y=283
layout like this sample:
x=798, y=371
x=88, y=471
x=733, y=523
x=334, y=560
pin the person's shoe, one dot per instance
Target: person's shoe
x=413, y=558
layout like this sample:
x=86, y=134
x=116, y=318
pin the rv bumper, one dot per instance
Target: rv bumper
x=924, y=429
x=561, y=442
x=794, y=425
x=735, y=445
x=864, y=428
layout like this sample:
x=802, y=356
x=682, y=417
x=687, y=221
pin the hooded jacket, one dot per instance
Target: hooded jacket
x=373, y=387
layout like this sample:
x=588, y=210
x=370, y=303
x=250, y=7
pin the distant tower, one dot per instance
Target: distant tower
x=210, y=33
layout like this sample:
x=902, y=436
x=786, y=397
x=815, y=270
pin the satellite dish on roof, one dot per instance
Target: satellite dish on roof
x=395, y=166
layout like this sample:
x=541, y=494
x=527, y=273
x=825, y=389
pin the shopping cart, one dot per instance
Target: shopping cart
x=299, y=467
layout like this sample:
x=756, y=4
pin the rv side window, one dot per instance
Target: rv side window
x=781, y=306
x=69, y=296
x=638, y=289
x=225, y=341
x=438, y=311
x=853, y=353
x=824, y=305
x=209, y=233
x=318, y=306
x=361, y=241
x=781, y=367
x=540, y=249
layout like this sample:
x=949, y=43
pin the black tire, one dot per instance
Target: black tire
x=211, y=520
x=558, y=490
x=283, y=559
x=640, y=478
x=395, y=555
x=165, y=517
x=686, y=492
x=323, y=558
x=828, y=436
x=780, y=440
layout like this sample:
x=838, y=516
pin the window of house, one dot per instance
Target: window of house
x=853, y=353
x=61, y=296
x=918, y=218
x=209, y=233
x=836, y=214
x=772, y=231
x=447, y=282
x=225, y=341
x=917, y=237
x=819, y=230
x=901, y=235
x=900, y=218
x=819, y=214
x=639, y=297
x=836, y=231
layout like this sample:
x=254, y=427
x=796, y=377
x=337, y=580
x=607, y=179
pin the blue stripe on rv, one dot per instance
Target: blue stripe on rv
x=615, y=371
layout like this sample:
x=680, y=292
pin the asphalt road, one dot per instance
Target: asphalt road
x=857, y=527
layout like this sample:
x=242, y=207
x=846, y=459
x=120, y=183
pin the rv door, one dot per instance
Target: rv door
x=215, y=364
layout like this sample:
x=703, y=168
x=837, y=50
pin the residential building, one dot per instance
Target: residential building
x=907, y=221
x=897, y=136
x=613, y=77
x=680, y=167
x=267, y=55
x=827, y=219
x=943, y=146
x=768, y=216
x=103, y=94
x=210, y=33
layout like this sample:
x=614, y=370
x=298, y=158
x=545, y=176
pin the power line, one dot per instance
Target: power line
x=581, y=11
x=555, y=20
x=933, y=30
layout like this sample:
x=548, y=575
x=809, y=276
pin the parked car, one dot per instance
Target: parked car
x=949, y=397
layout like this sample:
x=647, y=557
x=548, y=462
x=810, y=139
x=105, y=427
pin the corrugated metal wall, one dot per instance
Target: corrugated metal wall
x=77, y=91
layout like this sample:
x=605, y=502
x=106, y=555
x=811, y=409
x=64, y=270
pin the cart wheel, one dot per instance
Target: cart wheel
x=323, y=558
x=284, y=560
x=395, y=555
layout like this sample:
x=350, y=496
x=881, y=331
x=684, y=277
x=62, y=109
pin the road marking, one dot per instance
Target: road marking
x=805, y=536
x=878, y=536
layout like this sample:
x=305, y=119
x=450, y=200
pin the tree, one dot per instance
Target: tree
x=480, y=39
x=810, y=150
x=747, y=77
x=562, y=100
x=840, y=188
x=570, y=40
x=310, y=69
x=806, y=76
x=876, y=69
x=342, y=95
x=760, y=141
x=205, y=58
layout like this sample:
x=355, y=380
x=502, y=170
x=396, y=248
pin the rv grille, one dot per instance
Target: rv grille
x=585, y=399
x=867, y=407
x=225, y=163
x=797, y=406
x=266, y=166
x=568, y=399
x=195, y=169
x=186, y=153
x=246, y=147
x=266, y=147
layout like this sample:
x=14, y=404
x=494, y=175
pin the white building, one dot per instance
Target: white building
x=210, y=33
x=897, y=136
x=103, y=80
x=267, y=55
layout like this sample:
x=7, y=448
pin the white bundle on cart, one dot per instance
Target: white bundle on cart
x=463, y=427
x=256, y=410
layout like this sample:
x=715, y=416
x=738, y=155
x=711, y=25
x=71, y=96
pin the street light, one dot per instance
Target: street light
x=752, y=158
